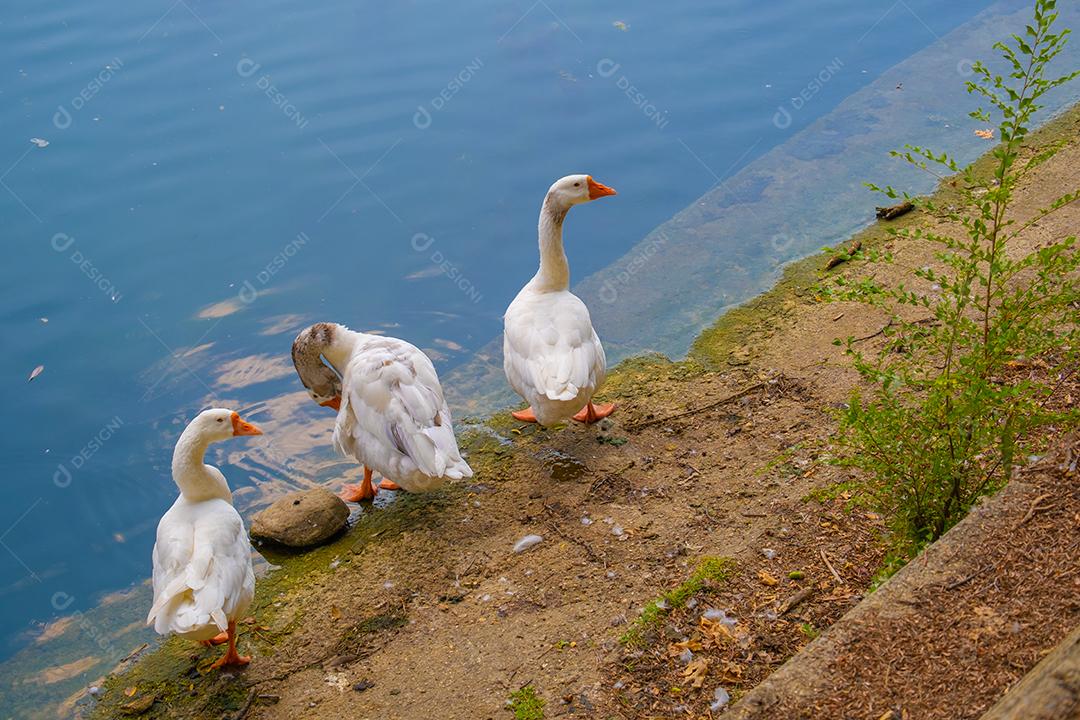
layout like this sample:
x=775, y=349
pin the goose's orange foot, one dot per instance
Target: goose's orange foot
x=219, y=639
x=526, y=415
x=359, y=492
x=592, y=413
x=385, y=484
x=231, y=657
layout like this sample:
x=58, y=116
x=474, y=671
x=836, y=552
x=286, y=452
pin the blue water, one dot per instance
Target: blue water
x=218, y=175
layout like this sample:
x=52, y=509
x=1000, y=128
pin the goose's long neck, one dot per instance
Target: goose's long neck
x=554, y=272
x=190, y=473
x=340, y=346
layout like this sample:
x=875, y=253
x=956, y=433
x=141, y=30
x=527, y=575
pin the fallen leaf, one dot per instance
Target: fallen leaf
x=767, y=578
x=715, y=632
x=677, y=649
x=138, y=707
x=732, y=672
x=334, y=612
x=985, y=134
x=36, y=371
x=130, y=692
x=696, y=672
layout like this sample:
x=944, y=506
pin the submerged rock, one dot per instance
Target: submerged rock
x=302, y=519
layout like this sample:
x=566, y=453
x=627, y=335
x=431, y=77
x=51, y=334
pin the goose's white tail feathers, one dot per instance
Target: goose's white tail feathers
x=202, y=569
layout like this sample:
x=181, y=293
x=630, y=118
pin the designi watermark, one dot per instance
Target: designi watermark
x=61, y=601
x=246, y=68
x=63, y=475
x=422, y=242
x=609, y=291
x=63, y=117
x=422, y=118
x=62, y=242
x=607, y=68
x=782, y=117
x=249, y=291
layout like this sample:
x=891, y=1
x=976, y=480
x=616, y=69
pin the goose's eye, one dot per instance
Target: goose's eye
x=221, y=419
x=577, y=184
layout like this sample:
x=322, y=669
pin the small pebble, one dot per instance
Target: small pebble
x=586, y=521
x=94, y=691
x=617, y=530
x=527, y=542
x=769, y=553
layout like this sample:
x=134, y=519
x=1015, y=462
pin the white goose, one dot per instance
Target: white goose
x=392, y=417
x=203, y=579
x=551, y=354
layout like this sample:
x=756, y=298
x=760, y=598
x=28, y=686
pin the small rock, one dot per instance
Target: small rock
x=363, y=685
x=527, y=542
x=302, y=519
x=769, y=553
x=94, y=691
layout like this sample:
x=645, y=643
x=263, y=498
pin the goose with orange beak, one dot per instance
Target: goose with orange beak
x=203, y=578
x=551, y=354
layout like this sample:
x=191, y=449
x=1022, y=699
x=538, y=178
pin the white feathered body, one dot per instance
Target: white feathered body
x=393, y=416
x=551, y=354
x=203, y=575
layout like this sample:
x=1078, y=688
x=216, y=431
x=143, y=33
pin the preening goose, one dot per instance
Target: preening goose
x=551, y=354
x=392, y=417
x=203, y=578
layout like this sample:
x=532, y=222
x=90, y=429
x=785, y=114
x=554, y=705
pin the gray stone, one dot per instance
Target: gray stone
x=302, y=519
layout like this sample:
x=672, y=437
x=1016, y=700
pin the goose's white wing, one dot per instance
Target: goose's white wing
x=550, y=348
x=202, y=569
x=394, y=416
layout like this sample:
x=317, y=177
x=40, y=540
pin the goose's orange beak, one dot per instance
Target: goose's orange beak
x=598, y=190
x=243, y=427
x=333, y=403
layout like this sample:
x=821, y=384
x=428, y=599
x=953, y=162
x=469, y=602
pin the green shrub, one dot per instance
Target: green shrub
x=973, y=352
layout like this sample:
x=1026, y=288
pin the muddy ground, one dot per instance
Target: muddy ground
x=709, y=485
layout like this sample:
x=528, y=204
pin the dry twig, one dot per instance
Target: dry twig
x=1035, y=508
x=831, y=568
x=705, y=408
